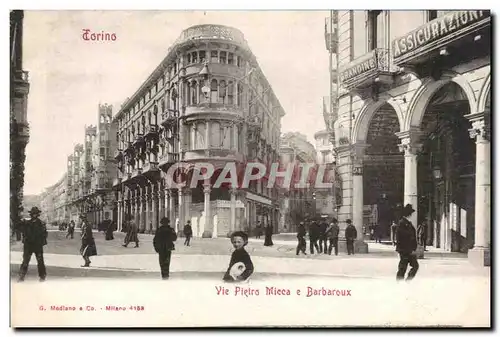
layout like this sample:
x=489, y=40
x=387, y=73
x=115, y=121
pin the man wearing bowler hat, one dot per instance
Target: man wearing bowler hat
x=406, y=245
x=34, y=238
x=163, y=243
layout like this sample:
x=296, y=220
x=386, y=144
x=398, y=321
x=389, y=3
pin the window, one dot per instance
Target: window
x=102, y=152
x=238, y=61
x=189, y=58
x=230, y=93
x=194, y=92
x=213, y=91
x=230, y=58
x=222, y=91
x=376, y=33
x=194, y=57
x=240, y=95
x=203, y=56
x=155, y=115
x=214, y=56
x=223, y=57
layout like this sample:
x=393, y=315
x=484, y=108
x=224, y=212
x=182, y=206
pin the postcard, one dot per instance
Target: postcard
x=326, y=168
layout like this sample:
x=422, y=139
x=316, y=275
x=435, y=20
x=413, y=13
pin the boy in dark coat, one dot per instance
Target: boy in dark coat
x=163, y=243
x=350, y=235
x=406, y=245
x=188, y=233
x=34, y=238
x=301, y=237
x=240, y=266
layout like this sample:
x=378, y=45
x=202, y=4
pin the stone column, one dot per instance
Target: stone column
x=155, y=220
x=118, y=219
x=187, y=205
x=235, y=137
x=138, y=209
x=181, y=223
x=480, y=254
x=146, y=206
x=232, y=227
x=169, y=207
x=207, y=134
x=206, y=208
x=357, y=196
x=411, y=146
x=161, y=203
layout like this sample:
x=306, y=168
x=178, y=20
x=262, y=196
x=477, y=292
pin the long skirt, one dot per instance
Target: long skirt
x=268, y=241
x=88, y=248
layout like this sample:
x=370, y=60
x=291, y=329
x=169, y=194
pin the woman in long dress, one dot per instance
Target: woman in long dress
x=268, y=241
x=88, y=247
x=132, y=233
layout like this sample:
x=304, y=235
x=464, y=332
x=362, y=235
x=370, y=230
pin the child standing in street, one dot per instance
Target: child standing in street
x=240, y=265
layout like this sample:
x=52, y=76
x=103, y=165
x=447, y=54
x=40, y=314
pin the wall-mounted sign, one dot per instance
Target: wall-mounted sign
x=437, y=30
x=359, y=66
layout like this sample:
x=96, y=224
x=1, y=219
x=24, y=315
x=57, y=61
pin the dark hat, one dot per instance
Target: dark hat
x=34, y=210
x=348, y=221
x=241, y=234
x=408, y=210
x=165, y=221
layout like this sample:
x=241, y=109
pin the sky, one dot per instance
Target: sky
x=69, y=76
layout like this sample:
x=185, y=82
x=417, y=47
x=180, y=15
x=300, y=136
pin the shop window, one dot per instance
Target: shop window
x=223, y=57
x=230, y=58
x=214, y=56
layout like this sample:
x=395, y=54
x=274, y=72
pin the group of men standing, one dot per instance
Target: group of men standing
x=325, y=237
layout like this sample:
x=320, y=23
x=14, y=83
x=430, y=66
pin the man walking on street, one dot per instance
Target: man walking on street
x=332, y=233
x=301, y=237
x=188, y=233
x=313, y=236
x=406, y=245
x=322, y=237
x=350, y=235
x=163, y=243
x=131, y=233
x=34, y=238
x=71, y=229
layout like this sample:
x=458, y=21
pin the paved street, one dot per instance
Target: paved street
x=208, y=258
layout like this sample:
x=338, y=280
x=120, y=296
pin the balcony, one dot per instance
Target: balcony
x=151, y=132
x=363, y=72
x=169, y=158
x=21, y=81
x=151, y=169
x=117, y=181
x=129, y=150
x=456, y=29
x=138, y=141
x=169, y=117
x=136, y=172
x=331, y=36
x=118, y=155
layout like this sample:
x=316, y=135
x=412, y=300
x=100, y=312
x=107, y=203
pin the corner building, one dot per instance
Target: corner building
x=415, y=100
x=208, y=101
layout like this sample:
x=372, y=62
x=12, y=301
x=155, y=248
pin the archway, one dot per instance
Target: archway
x=446, y=171
x=383, y=173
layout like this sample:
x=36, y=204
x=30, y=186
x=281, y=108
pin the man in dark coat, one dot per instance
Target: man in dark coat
x=88, y=247
x=268, y=239
x=110, y=227
x=132, y=231
x=332, y=234
x=71, y=230
x=163, y=243
x=406, y=245
x=322, y=237
x=313, y=236
x=188, y=233
x=258, y=230
x=301, y=237
x=350, y=235
x=34, y=238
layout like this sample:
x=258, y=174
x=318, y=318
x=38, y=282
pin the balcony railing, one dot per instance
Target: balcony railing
x=21, y=75
x=151, y=130
x=169, y=158
x=366, y=69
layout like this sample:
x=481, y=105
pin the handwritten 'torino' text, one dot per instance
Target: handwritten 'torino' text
x=274, y=291
x=102, y=36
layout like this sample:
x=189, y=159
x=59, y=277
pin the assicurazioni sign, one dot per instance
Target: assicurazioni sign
x=436, y=30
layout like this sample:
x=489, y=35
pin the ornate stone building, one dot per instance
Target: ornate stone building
x=296, y=204
x=53, y=202
x=414, y=86
x=207, y=101
x=19, y=128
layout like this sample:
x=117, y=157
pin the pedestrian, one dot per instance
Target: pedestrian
x=88, y=247
x=110, y=227
x=406, y=245
x=163, y=243
x=301, y=237
x=422, y=233
x=34, y=236
x=322, y=236
x=132, y=235
x=268, y=239
x=240, y=266
x=313, y=237
x=71, y=229
x=394, y=227
x=188, y=233
x=258, y=230
x=332, y=233
x=350, y=235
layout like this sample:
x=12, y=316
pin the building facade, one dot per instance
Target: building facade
x=296, y=204
x=208, y=101
x=53, y=202
x=414, y=85
x=19, y=128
